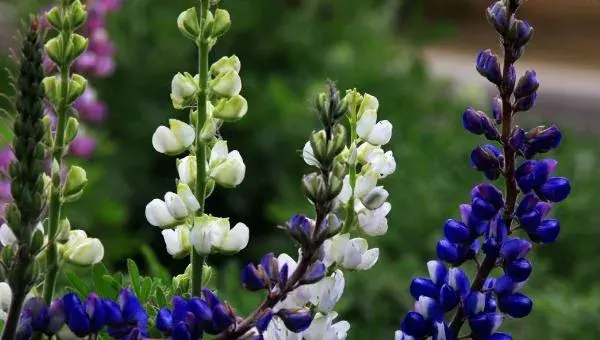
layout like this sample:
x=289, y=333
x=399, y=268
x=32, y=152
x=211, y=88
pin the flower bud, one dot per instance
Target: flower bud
x=497, y=109
x=555, y=190
x=174, y=140
x=181, y=283
x=226, y=84
x=183, y=90
x=71, y=129
x=296, y=320
x=517, y=138
x=64, y=230
x=222, y=23
x=314, y=273
x=525, y=103
x=375, y=198
x=48, y=139
x=74, y=184
x=77, y=85
x=254, y=278
x=318, y=143
x=314, y=187
x=488, y=159
x=488, y=66
x=520, y=33
x=207, y=29
x=226, y=64
x=516, y=305
x=210, y=128
x=52, y=88
x=456, y=231
x=187, y=22
x=302, y=229
x=77, y=45
x=56, y=50
x=232, y=109
x=177, y=241
x=186, y=168
x=335, y=186
x=84, y=252
x=528, y=84
x=338, y=140
x=37, y=241
x=77, y=15
x=542, y=139
x=231, y=172
x=176, y=206
x=497, y=15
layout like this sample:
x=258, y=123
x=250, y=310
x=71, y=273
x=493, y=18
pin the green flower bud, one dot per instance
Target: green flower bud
x=340, y=169
x=13, y=216
x=226, y=64
x=210, y=128
x=208, y=24
x=338, y=141
x=74, y=184
x=77, y=15
x=318, y=143
x=226, y=84
x=77, y=46
x=37, y=241
x=77, y=85
x=55, y=18
x=71, y=130
x=183, y=90
x=52, y=89
x=222, y=23
x=207, y=274
x=8, y=253
x=187, y=22
x=64, y=230
x=232, y=109
x=335, y=187
x=48, y=140
x=181, y=284
x=210, y=187
x=314, y=187
x=55, y=49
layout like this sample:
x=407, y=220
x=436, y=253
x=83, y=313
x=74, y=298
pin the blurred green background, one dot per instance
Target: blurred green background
x=289, y=48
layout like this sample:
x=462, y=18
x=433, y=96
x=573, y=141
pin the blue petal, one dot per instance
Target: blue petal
x=222, y=318
x=113, y=313
x=516, y=305
x=505, y=285
x=164, y=321
x=531, y=174
x=437, y=272
x=500, y=336
x=547, y=232
x=414, y=324
x=77, y=318
x=441, y=331
x=475, y=303
x=132, y=310
x=527, y=204
x=456, y=231
x=269, y=264
x=482, y=209
x=201, y=311
x=556, y=189
x=179, y=309
x=514, y=248
x=38, y=311
x=519, y=270
x=448, y=298
x=314, y=273
x=488, y=193
x=263, y=322
x=181, y=332
x=253, y=279
x=96, y=313
x=458, y=280
x=283, y=275
x=211, y=299
x=421, y=286
x=485, y=324
x=296, y=321
x=449, y=252
x=472, y=121
x=57, y=317
x=429, y=308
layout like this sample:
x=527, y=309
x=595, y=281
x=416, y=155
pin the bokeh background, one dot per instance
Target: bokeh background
x=417, y=57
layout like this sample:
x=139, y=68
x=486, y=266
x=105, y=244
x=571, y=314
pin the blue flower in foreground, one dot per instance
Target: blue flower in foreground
x=187, y=320
x=126, y=318
x=37, y=317
x=87, y=318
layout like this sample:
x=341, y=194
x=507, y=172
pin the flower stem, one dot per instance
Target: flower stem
x=489, y=262
x=352, y=177
x=196, y=259
x=55, y=198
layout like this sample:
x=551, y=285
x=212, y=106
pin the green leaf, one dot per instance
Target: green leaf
x=146, y=288
x=161, y=299
x=113, y=283
x=157, y=270
x=100, y=286
x=77, y=284
x=134, y=276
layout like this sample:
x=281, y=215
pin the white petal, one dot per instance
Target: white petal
x=164, y=141
x=236, y=239
x=369, y=103
x=284, y=258
x=353, y=253
x=219, y=152
x=7, y=237
x=88, y=252
x=188, y=197
x=5, y=296
x=308, y=155
x=381, y=133
x=177, y=241
x=176, y=206
x=184, y=133
x=332, y=289
x=341, y=329
x=369, y=258
x=230, y=173
x=186, y=169
x=346, y=193
x=365, y=150
x=365, y=183
x=201, y=239
x=366, y=123
x=158, y=214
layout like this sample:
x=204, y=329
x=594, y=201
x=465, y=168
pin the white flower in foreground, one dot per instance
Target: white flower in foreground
x=367, y=127
x=187, y=170
x=227, y=169
x=323, y=328
x=213, y=233
x=173, y=140
x=183, y=90
x=349, y=253
x=327, y=292
x=277, y=331
x=232, y=109
x=381, y=162
x=227, y=84
x=177, y=241
x=82, y=250
x=365, y=183
x=5, y=296
x=7, y=236
x=174, y=208
x=374, y=222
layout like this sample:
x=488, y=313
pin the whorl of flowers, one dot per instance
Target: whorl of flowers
x=494, y=230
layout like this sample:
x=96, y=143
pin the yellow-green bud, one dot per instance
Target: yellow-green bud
x=64, y=230
x=77, y=46
x=37, y=241
x=71, y=130
x=77, y=85
x=232, y=109
x=47, y=124
x=52, y=89
x=77, y=15
x=222, y=23
x=187, y=22
x=55, y=18
x=74, y=184
x=226, y=64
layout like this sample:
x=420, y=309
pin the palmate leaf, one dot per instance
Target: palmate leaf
x=76, y=285
x=134, y=277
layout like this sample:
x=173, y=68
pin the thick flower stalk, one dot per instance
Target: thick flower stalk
x=502, y=226
x=212, y=98
x=62, y=91
x=27, y=190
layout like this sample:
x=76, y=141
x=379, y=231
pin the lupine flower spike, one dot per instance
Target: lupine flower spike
x=495, y=229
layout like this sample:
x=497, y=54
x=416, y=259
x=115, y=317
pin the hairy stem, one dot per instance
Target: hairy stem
x=512, y=192
x=196, y=259
x=352, y=178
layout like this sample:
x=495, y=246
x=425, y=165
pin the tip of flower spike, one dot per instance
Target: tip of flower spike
x=516, y=305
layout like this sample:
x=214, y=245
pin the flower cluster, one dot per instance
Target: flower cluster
x=69, y=317
x=490, y=223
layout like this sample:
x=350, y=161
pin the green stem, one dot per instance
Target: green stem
x=55, y=199
x=352, y=173
x=196, y=259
